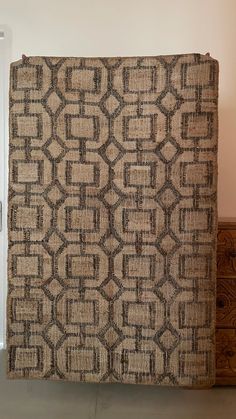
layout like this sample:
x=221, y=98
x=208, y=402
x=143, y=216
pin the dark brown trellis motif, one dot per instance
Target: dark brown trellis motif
x=112, y=219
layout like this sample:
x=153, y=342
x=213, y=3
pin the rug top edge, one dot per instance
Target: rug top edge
x=24, y=57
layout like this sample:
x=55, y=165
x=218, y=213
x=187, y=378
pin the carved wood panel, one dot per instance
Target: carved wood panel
x=226, y=305
x=226, y=356
x=226, y=253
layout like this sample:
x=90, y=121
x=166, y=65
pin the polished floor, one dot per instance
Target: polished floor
x=59, y=400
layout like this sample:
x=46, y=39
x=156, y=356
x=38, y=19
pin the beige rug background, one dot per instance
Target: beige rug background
x=112, y=219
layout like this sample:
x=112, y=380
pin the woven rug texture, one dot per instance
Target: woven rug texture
x=112, y=219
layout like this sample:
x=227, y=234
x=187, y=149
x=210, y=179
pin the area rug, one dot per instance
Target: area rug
x=112, y=219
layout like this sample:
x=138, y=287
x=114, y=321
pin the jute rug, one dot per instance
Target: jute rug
x=112, y=219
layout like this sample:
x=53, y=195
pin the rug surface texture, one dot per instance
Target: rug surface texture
x=112, y=219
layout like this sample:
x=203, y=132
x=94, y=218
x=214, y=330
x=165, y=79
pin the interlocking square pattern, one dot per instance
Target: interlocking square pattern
x=112, y=219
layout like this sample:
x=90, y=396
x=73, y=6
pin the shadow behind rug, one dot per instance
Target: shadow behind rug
x=112, y=219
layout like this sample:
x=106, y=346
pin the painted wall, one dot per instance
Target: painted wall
x=134, y=27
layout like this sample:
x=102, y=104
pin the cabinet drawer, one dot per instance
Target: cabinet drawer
x=226, y=356
x=226, y=303
x=226, y=253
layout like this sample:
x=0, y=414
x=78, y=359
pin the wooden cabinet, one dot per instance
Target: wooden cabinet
x=226, y=304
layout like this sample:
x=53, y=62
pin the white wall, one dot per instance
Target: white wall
x=5, y=52
x=134, y=27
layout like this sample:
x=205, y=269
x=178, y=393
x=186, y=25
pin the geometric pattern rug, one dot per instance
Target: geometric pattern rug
x=112, y=219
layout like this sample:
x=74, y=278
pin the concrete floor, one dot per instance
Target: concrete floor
x=57, y=400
